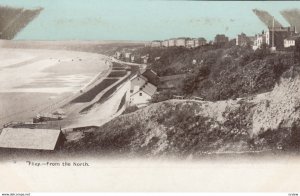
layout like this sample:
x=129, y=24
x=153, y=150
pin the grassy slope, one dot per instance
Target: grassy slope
x=221, y=73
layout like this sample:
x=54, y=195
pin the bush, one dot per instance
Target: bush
x=130, y=109
x=162, y=96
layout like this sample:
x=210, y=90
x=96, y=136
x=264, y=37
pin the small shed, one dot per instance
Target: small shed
x=34, y=139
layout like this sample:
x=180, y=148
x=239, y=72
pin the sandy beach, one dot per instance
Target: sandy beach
x=31, y=79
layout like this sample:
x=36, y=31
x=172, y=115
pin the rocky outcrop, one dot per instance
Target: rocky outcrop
x=279, y=108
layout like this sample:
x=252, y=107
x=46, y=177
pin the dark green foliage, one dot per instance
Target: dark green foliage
x=130, y=109
x=92, y=93
x=162, y=96
x=122, y=101
x=117, y=74
x=190, y=84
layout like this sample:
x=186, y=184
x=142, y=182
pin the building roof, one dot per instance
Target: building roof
x=149, y=89
x=140, y=76
x=151, y=76
x=200, y=38
x=21, y=138
x=47, y=115
x=294, y=37
x=185, y=38
x=220, y=35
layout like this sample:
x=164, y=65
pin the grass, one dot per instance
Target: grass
x=117, y=73
x=122, y=102
x=118, y=68
x=106, y=95
x=92, y=93
x=117, y=65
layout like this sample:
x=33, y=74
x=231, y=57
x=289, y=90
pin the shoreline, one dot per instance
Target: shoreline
x=16, y=109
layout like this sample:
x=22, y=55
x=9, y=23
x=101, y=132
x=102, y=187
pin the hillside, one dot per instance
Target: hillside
x=265, y=122
x=220, y=73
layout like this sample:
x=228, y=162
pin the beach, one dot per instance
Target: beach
x=31, y=79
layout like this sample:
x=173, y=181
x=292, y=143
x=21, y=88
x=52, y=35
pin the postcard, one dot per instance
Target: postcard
x=149, y=96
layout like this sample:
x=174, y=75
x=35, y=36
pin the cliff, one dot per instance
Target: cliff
x=266, y=122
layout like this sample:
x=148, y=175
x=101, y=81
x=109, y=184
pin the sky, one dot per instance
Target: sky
x=144, y=20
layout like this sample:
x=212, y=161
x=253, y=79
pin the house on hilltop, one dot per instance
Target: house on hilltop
x=259, y=40
x=200, y=41
x=221, y=39
x=171, y=42
x=195, y=42
x=181, y=42
x=292, y=42
x=165, y=43
x=156, y=43
x=142, y=87
x=244, y=40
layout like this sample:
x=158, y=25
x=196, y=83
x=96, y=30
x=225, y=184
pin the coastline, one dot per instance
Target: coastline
x=22, y=104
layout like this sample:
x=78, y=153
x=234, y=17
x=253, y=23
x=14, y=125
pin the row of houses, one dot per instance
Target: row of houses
x=220, y=39
x=125, y=56
x=130, y=57
x=179, y=42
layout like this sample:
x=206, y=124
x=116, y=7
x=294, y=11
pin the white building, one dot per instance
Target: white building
x=142, y=88
x=171, y=42
x=118, y=55
x=132, y=59
x=145, y=58
x=291, y=41
x=200, y=41
x=190, y=43
x=180, y=42
x=165, y=43
x=127, y=55
x=259, y=40
x=156, y=43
